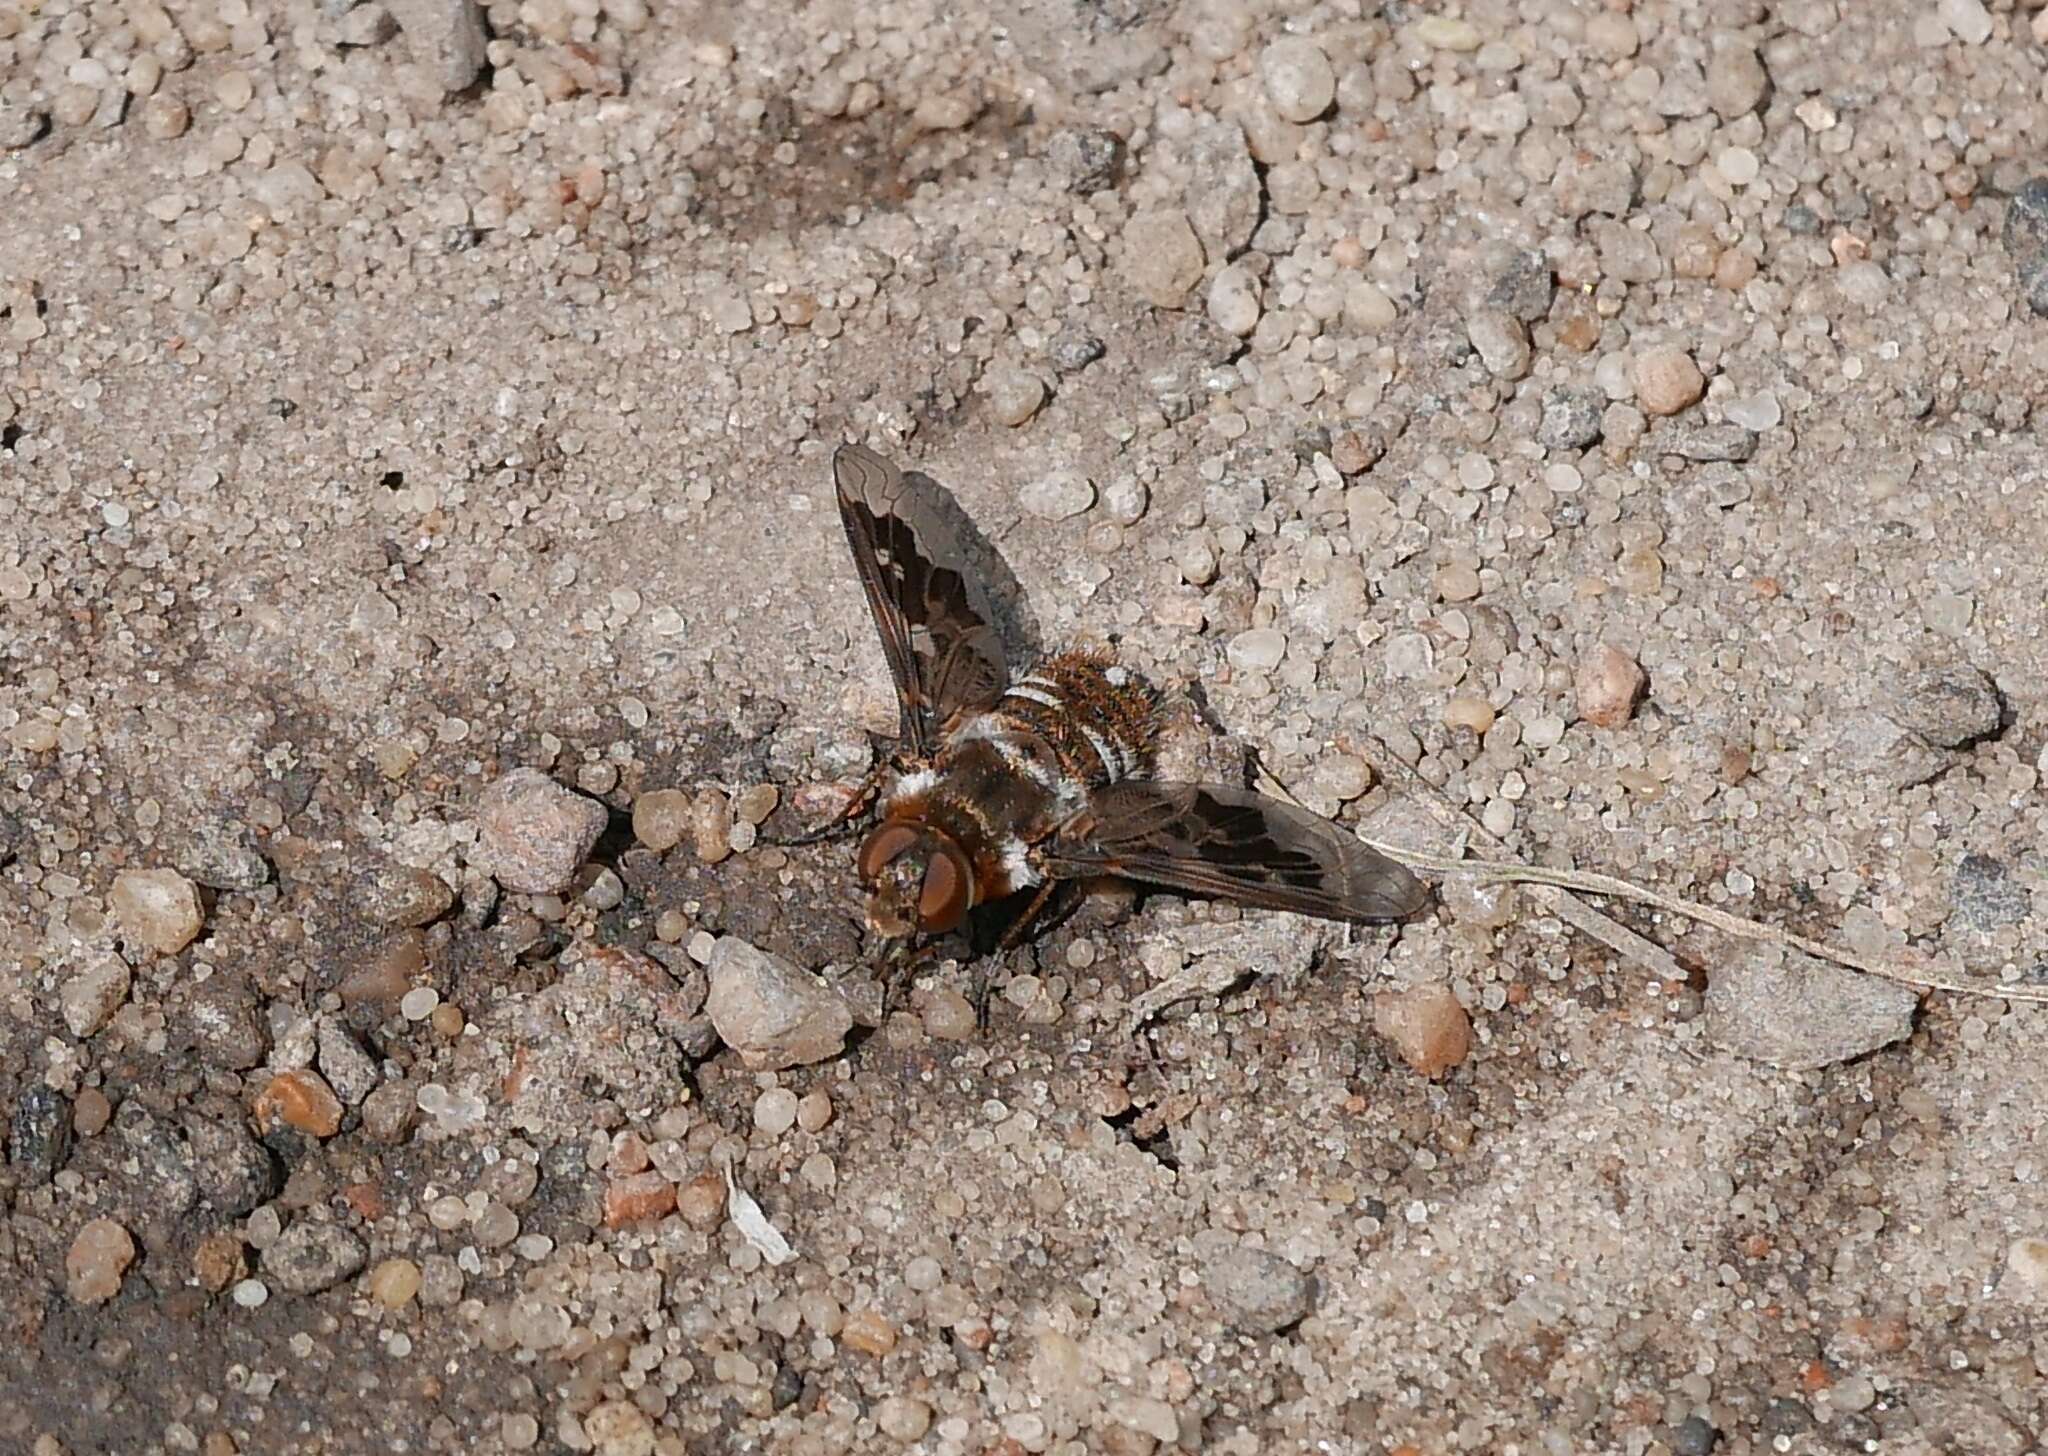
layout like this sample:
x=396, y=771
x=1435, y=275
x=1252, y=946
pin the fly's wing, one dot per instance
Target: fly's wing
x=1232, y=844
x=929, y=607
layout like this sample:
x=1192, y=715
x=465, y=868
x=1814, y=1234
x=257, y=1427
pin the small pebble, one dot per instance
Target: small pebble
x=636, y=1198
x=1609, y=683
x=1074, y=349
x=947, y=1016
x=1757, y=412
x=1124, y=500
x=711, y=826
x=39, y=1135
x=1571, y=420
x=1299, y=79
x=1736, y=79
x=1794, y=1011
x=1708, y=443
x=1163, y=258
x=754, y=805
x=1058, y=495
x=1502, y=342
x=2026, y=1262
x=1342, y=776
x=701, y=1201
x=1257, y=1291
x=1428, y=1026
x=1667, y=381
x=99, y=1255
x=165, y=117
x=1457, y=583
x=532, y=834
x=606, y=891
x=775, y=1111
x=394, y=1282
x=813, y=1111
x=234, y=90
x=399, y=896
x=1694, y=1436
x=384, y=976
x=2026, y=241
x=1259, y=649
x=250, y=1294
x=158, y=908
x=300, y=1099
x=1014, y=394
x=1441, y=32
x=773, y=1013
x=1952, y=707
x=89, y=999
x=1475, y=714
x=903, y=1417
x=309, y=1257
x=219, y=1260
x=419, y=1003
x=1234, y=300
x=619, y=1428
x=661, y=817
x=1087, y=160
x=867, y=1331
x=92, y=1112
x=448, y=35
x=1967, y=20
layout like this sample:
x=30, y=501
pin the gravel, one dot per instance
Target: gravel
x=1256, y=1291
x=1427, y=1027
x=158, y=909
x=2026, y=242
x=388, y=404
x=1798, y=1013
x=90, y=998
x=533, y=833
x=309, y=1257
x=1057, y=496
x=99, y=1256
x=39, y=1135
x=773, y=1013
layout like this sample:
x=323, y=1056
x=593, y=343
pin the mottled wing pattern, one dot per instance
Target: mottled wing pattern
x=1232, y=844
x=936, y=633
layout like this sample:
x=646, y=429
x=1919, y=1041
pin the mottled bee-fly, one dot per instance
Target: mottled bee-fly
x=1004, y=782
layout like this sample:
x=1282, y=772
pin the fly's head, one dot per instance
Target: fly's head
x=918, y=880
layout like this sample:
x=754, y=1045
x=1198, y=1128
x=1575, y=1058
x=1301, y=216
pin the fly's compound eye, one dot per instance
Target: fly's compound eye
x=948, y=886
x=884, y=845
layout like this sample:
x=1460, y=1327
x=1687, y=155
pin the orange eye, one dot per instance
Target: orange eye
x=943, y=900
x=884, y=845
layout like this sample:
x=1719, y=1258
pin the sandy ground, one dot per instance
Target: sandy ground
x=384, y=408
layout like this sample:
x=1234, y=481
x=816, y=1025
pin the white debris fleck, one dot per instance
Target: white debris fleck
x=753, y=1224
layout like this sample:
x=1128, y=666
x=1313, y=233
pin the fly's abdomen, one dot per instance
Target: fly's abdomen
x=1096, y=717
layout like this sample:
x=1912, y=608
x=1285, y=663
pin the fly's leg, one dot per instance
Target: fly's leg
x=1013, y=934
x=1012, y=937
x=899, y=968
x=863, y=798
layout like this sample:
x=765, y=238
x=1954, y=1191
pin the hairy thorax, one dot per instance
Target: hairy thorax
x=1008, y=776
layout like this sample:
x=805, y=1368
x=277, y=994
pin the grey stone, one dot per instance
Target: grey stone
x=448, y=37
x=1952, y=707
x=2026, y=242
x=1255, y=1290
x=533, y=833
x=1797, y=1012
x=310, y=1257
x=773, y=1013
x=39, y=1134
x=231, y=1170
